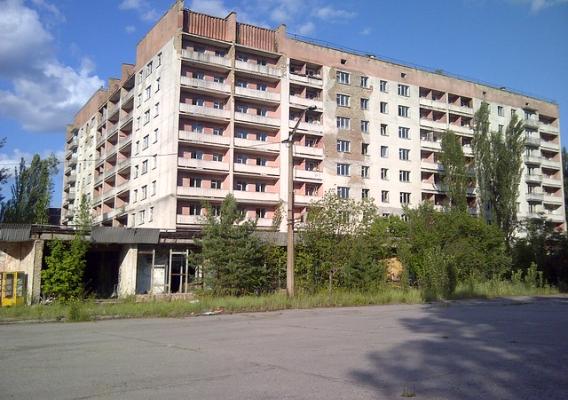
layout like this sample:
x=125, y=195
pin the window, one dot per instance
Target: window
x=157, y=84
x=384, y=107
x=364, y=171
x=216, y=210
x=263, y=112
x=365, y=126
x=197, y=127
x=403, y=133
x=220, y=53
x=261, y=137
x=199, y=49
x=364, y=104
x=260, y=187
x=194, y=209
x=198, y=102
x=218, y=79
x=404, y=198
x=137, y=123
x=146, y=117
x=155, y=135
x=364, y=193
x=500, y=111
x=343, y=123
x=159, y=60
x=197, y=154
x=385, y=196
x=311, y=165
x=383, y=86
x=261, y=213
x=384, y=174
x=241, y=159
x=216, y=184
x=150, y=214
x=148, y=92
x=217, y=105
x=153, y=188
x=384, y=151
x=135, y=195
x=241, y=134
x=500, y=128
x=261, y=162
x=240, y=185
x=145, y=142
x=404, y=176
x=136, y=169
x=144, y=192
x=138, y=100
x=141, y=217
x=144, y=167
x=343, y=146
x=513, y=112
x=403, y=90
x=384, y=131
x=195, y=182
x=156, y=109
x=311, y=190
x=241, y=84
x=217, y=132
x=149, y=68
x=311, y=142
x=364, y=82
x=198, y=75
x=343, y=77
x=365, y=148
x=261, y=87
x=403, y=111
x=404, y=154
x=343, y=192
x=343, y=169
x=217, y=157
x=342, y=100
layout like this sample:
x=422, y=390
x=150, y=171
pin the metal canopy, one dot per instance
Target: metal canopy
x=15, y=232
x=105, y=234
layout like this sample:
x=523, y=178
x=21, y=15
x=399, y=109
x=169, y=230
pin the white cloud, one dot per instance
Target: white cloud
x=307, y=28
x=43, y=93
x=539, y=5
x=50, y=8
x=366, y=31
x=211, y=7
x=130, y=29
x=143, y=8
x=329, y=13
x=11, y=160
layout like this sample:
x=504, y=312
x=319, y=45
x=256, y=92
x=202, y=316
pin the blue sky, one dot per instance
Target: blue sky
x=54, y=54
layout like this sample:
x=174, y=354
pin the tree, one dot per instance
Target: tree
x=31, y=192
x=3, y=172
x=455, y=173
x=498, y=162
x=231, y=254
x=565, y=174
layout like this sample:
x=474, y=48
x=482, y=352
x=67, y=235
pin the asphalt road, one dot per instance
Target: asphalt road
x=475, y=350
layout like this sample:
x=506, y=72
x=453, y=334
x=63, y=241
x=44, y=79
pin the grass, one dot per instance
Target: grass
x=89, y=310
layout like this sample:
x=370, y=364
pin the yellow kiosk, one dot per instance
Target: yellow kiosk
x=12, y=288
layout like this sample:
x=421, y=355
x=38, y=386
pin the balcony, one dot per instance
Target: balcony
x=308, y=151
x=72, y=145
x=310, y=80
x=257, y=145
x=463, y=129
x=206, y=58
x=547, y=181
x=258, y=69
x=125, y=119
x=256, y=169
x=531, y=123
x=124, y=141
x=305, y=200
x=535, y=197
x=460, y=109
x=305, y=102
x=127, y=97
x=108, y=193
x=204, y=84
x=533, y=159
x=433, y=104
x=547, y=128
x=431, y=166
x=71, y=195
x=72, y=178
x=190, y=219
x=532, y=141
x=549, y=145
x=195, y=192
x=256, y=197
x=203, y=138
x=534, y=178
x=264, y=222
x=257, y=119
x=550, y=163
x=431, y=145
x=552, y=199
x=307, y=126
x=258, y=94
x=555, y=217
x=203, y=164
x=428, y=123
x=302, y=174
x=205, y=111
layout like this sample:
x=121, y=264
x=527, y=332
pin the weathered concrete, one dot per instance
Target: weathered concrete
x=476, y=350
x=27, y=257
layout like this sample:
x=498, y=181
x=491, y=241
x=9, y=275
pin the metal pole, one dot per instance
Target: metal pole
x=290, y=247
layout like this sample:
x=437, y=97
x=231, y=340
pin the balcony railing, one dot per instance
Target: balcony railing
x=203, y=138
x=309, y=175
x=550, y=163
x=535, y=197
x=203, y=164
x=532, y=140
x=533, y=159
x=307, y=126
x=531, y=123
x=257, y=119
x=547, y=128
x=308, y=151
x=191, y=219
x=535, y=178
x=256, y=169
x=465, y=129
x=552, y=199
x=431, y=145
x=205, y=84
x=551, y=182
x=433, y=104
x=431, y=166
x=257, y=68
x=257, y=145
x=202, y=192
x=206, y=58
x=441, y=126
x=304, y=199
x=207, y=111
x=305, y=102
x=311, y=80
x=256, y=196
x=549, y=145
x=460, y=109
x=259, y=94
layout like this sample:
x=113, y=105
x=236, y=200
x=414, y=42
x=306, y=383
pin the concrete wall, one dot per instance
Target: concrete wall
x=26, y=257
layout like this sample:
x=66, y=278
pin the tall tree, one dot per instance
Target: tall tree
x=31, y=192
x=455, y=173
x=565, y=174
x=3, y=171
x=498, y=161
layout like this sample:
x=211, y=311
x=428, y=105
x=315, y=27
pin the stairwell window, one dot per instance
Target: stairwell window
x=384, y=107
x=343, y=146
x=343, y=169
x=364, y=171
x=365, y=82
x=364, y=104
x=343, y=192
x=383, y=86
x=365, y=126
x=343, y=77
x=343, y=123
x=342, y=100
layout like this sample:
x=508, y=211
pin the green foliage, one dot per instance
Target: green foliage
x=455, y=173
x=31, y=192
x=231, y=254
x=498, y=162
x=3, y=172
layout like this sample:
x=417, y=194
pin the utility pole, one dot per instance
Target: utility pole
x=290, y=247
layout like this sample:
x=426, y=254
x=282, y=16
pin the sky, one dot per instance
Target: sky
x=55, y=53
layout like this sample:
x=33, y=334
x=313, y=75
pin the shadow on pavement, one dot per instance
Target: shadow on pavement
x=477, y=350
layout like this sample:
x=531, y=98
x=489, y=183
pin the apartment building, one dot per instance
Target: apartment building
x=207, y=107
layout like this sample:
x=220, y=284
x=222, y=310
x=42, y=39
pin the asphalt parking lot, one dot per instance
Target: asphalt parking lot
x=507, y=349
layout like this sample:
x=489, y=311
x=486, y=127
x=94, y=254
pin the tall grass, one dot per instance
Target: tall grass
x=89, y=310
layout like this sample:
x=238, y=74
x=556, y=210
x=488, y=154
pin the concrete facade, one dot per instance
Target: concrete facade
x=206, y=106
